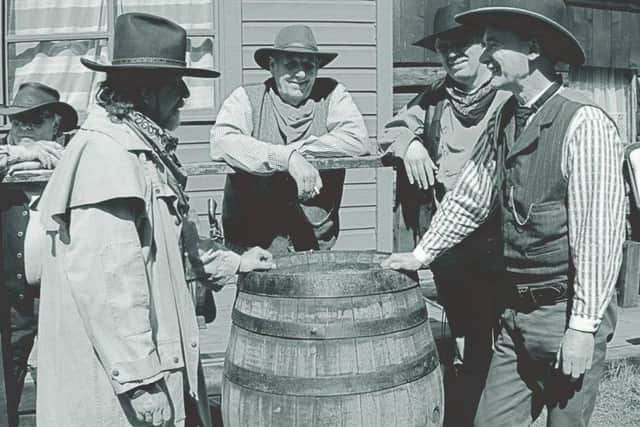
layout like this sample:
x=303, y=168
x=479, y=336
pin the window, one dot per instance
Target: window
x=45, y=39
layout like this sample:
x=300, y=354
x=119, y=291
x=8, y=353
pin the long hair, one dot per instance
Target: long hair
x=122, y=91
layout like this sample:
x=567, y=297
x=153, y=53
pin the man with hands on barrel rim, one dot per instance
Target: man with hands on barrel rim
x=551, y=161
x=269, y=127
x=119, y=341
x=38, y=122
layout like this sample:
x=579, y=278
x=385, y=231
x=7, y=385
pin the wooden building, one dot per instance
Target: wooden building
x=43, y=40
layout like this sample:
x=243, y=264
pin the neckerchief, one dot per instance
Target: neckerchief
x=470, y=108
x=294, y=123
x=163, y=145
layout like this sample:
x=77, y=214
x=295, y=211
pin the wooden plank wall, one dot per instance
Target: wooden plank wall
x=346, y=27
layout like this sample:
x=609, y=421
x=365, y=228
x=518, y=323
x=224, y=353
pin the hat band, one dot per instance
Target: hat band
x=148, y=60
x=299, y=46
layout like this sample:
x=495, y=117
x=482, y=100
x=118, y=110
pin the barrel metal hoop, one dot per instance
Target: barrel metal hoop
x=334, y=330
x=325, y=285
x=332, y=386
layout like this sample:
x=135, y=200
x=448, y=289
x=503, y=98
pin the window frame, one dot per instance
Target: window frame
x=194, y=116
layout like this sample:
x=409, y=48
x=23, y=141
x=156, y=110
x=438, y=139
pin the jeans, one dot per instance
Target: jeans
x=522, y=379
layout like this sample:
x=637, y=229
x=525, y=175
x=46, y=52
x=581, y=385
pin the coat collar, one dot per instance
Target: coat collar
x=531, y=134
x=99, y=121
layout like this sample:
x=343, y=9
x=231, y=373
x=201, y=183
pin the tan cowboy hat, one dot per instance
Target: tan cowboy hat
x=149, y=42
x=543, y=18
x=293, y=39
x=444, y=24
x=33, y=96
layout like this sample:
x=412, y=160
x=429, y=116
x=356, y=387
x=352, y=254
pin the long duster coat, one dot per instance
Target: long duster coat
x=115, y=311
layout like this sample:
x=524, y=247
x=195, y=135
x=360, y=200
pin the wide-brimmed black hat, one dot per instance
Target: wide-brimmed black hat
x=148, y=42
x=445, y=25
x=293, y=39
x=33, y=96
x=543, y=19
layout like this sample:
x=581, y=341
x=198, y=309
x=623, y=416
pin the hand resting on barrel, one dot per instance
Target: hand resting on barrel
x=402, y=261
x=222, y=264
x=256, y=258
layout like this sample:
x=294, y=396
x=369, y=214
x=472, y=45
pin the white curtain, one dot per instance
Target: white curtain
x=57, y=63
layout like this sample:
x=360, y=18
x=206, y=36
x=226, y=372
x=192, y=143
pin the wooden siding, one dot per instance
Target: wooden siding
x=610, y=38
x=348, y=28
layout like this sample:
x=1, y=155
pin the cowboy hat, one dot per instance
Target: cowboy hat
x=543, y=19
x=33, y=96
x=148, y=42
x=293, y=39
x=445, y=25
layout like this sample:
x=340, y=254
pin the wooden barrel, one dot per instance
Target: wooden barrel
x=331, y=339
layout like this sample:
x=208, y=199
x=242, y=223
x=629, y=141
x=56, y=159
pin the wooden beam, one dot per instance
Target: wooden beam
x=415, y=76
x=629, y=278
x=384, y=88
x=230, y=45
x=211, y=168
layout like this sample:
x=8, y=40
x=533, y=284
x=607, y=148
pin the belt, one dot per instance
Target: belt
x=540, y=295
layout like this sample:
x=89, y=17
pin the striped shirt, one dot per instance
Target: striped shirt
x=592, y=165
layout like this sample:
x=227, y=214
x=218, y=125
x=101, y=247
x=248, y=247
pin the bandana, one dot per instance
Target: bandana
x=164, y=145
x=470, y=108
x=294, y=123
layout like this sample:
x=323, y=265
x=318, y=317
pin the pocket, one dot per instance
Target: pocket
x=127, y=287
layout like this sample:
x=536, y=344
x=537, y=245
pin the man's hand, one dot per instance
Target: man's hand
x=220, y=264
x=307, y=177
x=151, y=405
x=402, y=261
x=256, y=258
x=420, y=168
x=575, y=355
x=47, y=153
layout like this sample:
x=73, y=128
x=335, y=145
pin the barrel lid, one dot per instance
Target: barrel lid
x=327, y=274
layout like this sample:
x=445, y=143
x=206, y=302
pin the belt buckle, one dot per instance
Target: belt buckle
x=547, y=294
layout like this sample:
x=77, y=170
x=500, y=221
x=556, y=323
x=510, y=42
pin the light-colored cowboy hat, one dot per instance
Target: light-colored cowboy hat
x=293, y=39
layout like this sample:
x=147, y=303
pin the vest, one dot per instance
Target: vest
x=484, y=244
x=264, y=210
x=533, y=192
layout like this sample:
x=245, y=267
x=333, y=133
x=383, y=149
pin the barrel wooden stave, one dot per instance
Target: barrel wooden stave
x=403, y=406
x=348, y=346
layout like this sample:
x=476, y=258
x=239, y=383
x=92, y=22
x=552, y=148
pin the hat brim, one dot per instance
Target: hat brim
x=185, y=71
x=66, y=111
x=262, y=55
x=565, y=46
x=429, y=42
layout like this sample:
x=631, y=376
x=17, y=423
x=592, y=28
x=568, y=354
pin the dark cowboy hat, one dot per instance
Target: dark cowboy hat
x=543, y=19
x=33, y=96
x=445, y=25
x=293, y=39
x=149, y=42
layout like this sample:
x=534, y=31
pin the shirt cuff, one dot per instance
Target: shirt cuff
x=278, y=157
x=401, y=138
x=422, y=256
x=583, y=324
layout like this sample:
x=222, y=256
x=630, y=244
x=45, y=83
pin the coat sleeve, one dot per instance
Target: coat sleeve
x=108, y=280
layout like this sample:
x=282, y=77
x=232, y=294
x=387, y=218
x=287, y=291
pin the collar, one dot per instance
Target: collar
x=544, y=95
